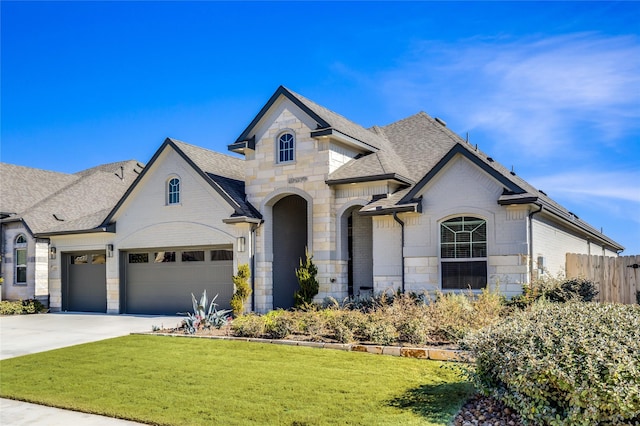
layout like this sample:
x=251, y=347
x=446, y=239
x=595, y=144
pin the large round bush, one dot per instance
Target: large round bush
x=563, y=364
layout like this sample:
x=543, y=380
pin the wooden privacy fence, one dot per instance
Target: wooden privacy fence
x=617, y=278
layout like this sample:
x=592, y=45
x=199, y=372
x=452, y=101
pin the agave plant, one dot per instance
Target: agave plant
x=203, y=318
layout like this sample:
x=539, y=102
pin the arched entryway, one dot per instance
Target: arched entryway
x=289, y=242
x=357, y=248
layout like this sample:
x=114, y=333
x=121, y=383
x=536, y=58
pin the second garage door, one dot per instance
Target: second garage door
x=161, y=281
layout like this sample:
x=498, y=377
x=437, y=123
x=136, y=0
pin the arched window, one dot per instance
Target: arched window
x=286, y=145
x=21, y=259
x=463, y=253
x=173, y=191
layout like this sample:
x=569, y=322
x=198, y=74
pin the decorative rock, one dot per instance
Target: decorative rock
x=483, y=411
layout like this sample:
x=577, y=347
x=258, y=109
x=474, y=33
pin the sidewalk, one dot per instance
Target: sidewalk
x=17, y=413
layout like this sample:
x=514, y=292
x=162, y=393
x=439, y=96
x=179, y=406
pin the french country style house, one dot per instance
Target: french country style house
x=408, y=206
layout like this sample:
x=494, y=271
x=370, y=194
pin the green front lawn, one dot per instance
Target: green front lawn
x=181, y=381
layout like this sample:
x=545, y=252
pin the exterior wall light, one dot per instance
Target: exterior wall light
x=109, y=250
x=52, y=253
x=241, y=244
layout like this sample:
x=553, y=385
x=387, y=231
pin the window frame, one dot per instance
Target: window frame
x=173, y=191
x=469, y=261
x=288, y=151
x=20, y=245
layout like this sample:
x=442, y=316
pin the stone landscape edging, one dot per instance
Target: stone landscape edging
x=431, y=353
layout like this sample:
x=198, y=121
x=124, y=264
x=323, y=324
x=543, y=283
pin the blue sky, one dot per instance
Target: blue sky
x=550, y=88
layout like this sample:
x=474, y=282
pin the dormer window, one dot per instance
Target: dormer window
x=286, y=145
x=173, y=191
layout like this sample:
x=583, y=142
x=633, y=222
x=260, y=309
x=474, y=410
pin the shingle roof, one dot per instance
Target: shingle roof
x=22, y=187
x=84, y=203
x=213, y=162
x=340, y=123
x=224, y=171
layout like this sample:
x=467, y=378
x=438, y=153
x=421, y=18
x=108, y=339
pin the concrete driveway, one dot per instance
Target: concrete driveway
x=27, y=334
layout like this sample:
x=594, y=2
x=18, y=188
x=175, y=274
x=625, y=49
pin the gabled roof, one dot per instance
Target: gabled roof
x=80, y=201
x=224, y=173
x=327, y=123
x=425, y=146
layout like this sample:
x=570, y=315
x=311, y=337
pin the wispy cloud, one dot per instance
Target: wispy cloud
x=613, y=186
x=535, y=94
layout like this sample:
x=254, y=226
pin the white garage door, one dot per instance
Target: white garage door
x=161, y=281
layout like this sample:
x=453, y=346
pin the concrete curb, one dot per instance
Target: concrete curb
x=436, y=354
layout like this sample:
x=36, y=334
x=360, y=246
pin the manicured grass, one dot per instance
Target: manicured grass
x=180, y=381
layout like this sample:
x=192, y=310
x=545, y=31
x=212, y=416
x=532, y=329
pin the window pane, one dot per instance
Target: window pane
x=21, y=257
x=79, y=259
x=193, y=256
x=98, y=259
x=21, y=239
x=174, y=191
x=138, y=257
x=448, y=236
x=221, y=255
x=164, y=256
x=463, y=238
x=464, y=275
x=21, y=274
x=479, y=250
x=285, y=147
x=463, y=251
x=448, y=251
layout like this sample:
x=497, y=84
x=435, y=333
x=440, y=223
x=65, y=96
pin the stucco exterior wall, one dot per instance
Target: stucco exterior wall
x=552, y=241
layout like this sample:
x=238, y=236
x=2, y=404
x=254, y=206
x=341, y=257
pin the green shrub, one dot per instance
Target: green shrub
x=573, y=289
x=21, y=307
x=563, y=364
x=380, y=330
x=251, y=325
x=556, y=289
x=309, y=285
x=278, y=324
x=243, y=290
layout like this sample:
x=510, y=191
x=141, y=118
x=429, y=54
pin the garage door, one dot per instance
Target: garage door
x=161, y=281
x=85, y=282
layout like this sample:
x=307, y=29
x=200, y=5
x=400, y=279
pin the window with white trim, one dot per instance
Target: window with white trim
x=286, y=145
x=463, y=253
x=21, y=259
x=173, y=191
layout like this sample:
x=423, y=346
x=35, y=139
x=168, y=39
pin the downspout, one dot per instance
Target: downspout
x=531, y=241
x=397, y=219
x=253, y=267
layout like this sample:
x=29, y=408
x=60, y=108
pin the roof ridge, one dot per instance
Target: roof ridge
x=204, y=149
x=36, y=169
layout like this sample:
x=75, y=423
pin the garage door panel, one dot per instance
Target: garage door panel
x=166, y=288
x=86, y=286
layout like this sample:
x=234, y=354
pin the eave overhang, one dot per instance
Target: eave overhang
x=240, y=147
x=110, y=228
x=339, y=136
x=242, y=219
x=373, y=178
x=509, y=199
x=415, y=207
x=570, y=220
